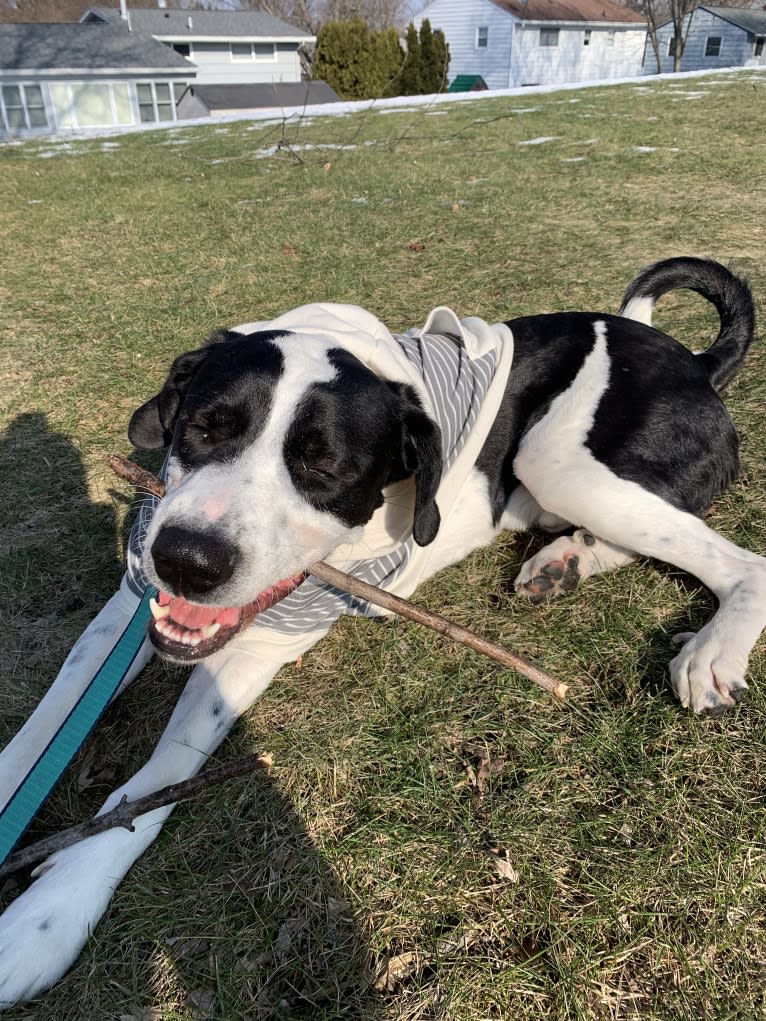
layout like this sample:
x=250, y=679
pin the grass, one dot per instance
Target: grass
x=430, y=819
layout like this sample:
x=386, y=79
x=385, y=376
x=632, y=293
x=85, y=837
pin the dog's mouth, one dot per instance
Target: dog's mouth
x=183, y=632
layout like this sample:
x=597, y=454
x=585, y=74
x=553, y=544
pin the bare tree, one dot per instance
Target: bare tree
x=310, y=14
x=15, y=11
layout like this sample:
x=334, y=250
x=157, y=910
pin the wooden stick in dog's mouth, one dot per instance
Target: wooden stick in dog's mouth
x=142, y=479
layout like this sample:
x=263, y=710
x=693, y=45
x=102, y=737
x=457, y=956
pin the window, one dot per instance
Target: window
x=713, y=46
x=253, y=51
x=183, y=48
x=672, y=46
x=155, y=102
x=758, y=50
x=549, y=37
x=22, y=107
x=610, y=37
x=482, y=37
x=586, y=38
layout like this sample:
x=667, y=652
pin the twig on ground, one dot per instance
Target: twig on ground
x=124, y=813
x=142, y=479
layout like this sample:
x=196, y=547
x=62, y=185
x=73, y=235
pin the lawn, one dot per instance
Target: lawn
x=436, y=838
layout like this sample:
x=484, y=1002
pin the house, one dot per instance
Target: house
x=511, y=43
x=225, y=46
x=713, y=37
x=220, y=100
x=62, y=77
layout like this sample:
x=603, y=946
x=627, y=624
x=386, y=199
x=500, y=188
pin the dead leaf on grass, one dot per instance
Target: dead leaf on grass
x=504, y=869
x=288, y=930
x=202, y=1002
x=94, y=773
x=326, y=167
x=487, y=767
x=391, y=971
x=416, y=246
x=288, y=249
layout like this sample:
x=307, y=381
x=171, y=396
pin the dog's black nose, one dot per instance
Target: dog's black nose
x=192, y=563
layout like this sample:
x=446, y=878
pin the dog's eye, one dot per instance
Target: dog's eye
x=216, y=426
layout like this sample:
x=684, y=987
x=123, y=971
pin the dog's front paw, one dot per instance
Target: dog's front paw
x=705, y=675
x=43, y=931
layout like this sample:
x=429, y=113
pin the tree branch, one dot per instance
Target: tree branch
x=126, y=811
x=142, y=479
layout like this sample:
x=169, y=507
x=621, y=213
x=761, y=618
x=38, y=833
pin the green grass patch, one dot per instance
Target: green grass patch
x=430, y=819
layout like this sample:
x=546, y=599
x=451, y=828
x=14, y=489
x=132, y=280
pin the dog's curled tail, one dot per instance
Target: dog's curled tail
x=729, y=293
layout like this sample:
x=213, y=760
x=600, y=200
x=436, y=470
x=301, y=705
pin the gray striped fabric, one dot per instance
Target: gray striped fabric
x=456, y=386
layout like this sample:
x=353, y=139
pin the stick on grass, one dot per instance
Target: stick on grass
x=142, y=479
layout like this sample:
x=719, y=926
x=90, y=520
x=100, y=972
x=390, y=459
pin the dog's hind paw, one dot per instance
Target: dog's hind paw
x=704, y=675
x=552, y=572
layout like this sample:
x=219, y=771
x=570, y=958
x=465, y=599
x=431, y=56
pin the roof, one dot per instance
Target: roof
x=190, y=24
x=41, y=47
x=606, y=11
x=748, y=20
x=257, y=96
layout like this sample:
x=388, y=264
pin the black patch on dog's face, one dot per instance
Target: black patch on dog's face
x=356, y=434
x=204, y=382
x=228, y=401
x=344, y=443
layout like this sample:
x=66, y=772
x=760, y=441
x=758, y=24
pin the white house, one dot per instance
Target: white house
x=62, y=77
x=539, y=42
x=226, y=47
x=712, y=37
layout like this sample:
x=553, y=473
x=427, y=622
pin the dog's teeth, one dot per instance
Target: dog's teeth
x=210, y=629
x=158, y=612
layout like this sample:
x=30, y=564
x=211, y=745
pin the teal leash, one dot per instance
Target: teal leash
x=69, y=738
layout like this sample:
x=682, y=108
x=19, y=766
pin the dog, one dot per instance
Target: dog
x=320, y=435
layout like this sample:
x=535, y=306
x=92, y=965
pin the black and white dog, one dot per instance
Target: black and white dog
x=320, y=435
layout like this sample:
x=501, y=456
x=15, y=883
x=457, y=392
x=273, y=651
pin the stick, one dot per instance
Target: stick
x=142, y=479
x=126, y=811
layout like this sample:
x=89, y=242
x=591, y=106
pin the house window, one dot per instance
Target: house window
x=253, y=51
x=586, y=38
x=155, y=102
x=610, y=37
x=183, y=48
x=758, y=50
x=22, y=107
x=482, y=37
x=713, y=46
x=672, y=46
x=549, y=37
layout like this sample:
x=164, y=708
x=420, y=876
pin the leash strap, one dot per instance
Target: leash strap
x=69, y=738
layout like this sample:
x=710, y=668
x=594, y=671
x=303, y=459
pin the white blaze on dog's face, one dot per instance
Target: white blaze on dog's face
x=281, y=446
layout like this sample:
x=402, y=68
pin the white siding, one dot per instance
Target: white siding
x=737, y=47
x=217, y=67
x=460, y=21
x=514, y=56
x=610, y=53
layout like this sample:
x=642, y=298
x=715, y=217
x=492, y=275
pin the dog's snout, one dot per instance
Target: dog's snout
x=192, y=563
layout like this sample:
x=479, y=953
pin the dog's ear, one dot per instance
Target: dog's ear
x=151, y=426
x=422, y=457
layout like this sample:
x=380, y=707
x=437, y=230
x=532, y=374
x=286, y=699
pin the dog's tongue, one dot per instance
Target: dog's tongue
x=196, y=617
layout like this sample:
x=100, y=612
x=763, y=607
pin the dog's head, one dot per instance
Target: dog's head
x=281, y=447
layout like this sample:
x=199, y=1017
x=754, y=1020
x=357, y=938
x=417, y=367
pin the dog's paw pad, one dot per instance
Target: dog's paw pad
x=557, y=578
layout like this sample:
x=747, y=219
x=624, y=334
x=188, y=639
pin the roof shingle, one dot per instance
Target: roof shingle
x=41, y=47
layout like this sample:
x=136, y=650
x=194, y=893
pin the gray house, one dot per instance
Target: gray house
x=70, y=76
x=227, y=47
x=712, y=37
